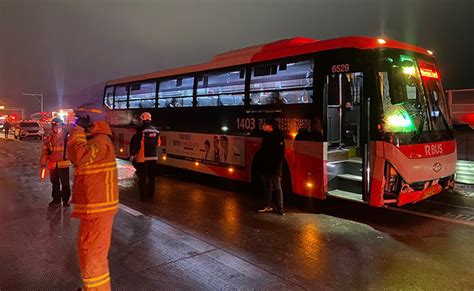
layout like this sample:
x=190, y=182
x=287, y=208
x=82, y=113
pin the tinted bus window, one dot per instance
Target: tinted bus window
x=221, y=89
x=286, y=83
x=176, y=93
x=109, y=97
x=142, y=95
x=120, y=100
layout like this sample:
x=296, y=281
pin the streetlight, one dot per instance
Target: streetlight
x=40, y=99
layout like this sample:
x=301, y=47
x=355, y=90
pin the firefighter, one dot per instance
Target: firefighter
x=95, y=193
x=143, y=151
x=54, y=158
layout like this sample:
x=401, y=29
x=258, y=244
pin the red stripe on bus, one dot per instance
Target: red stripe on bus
x=428, y=150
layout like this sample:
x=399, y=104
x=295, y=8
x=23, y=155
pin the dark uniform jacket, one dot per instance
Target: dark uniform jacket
x=144, y=143
x=272, y=153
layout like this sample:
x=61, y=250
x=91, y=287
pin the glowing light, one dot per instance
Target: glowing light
x=294, y=134
x=163, y=157
x=196, y=163
x=430, y=52
x=43, y=173
x=121, y=150
x=429, y=73
x=398, y=120
x=309, y=185
x=224, y=128
x=381, y=41
x=409, y=70
x=231, y=170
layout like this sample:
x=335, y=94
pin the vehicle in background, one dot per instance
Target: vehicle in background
x=2, y=121
x=462, y=106
x=461, y=102
x=66, y=115
x=41, y=116
x=28, y=128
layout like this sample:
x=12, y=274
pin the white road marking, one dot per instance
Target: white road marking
x=130, y=210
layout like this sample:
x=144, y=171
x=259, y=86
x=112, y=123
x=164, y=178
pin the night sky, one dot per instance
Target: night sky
x=67, y=49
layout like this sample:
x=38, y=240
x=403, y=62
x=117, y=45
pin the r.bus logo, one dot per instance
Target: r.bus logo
x=432, y=150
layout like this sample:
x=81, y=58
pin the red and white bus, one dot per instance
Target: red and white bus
x=364, y=118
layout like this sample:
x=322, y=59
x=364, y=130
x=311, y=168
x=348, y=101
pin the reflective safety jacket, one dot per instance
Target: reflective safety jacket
x=53, y=153
x=144, y=144
x=95, y=189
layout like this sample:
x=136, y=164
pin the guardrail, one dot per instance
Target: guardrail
x=465, y=172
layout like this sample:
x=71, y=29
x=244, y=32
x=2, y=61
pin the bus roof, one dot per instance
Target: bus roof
x=273, y=50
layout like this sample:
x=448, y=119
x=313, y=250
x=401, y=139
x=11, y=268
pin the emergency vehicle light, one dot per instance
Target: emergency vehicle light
x=381, y=41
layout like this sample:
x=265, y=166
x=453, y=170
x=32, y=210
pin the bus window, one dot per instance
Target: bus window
x=120, y=100
x=286, y=83
x=221, y=89
x=142, y=95
x=109, y=97
x=176, y=93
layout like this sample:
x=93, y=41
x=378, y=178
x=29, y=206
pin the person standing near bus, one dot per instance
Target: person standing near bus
x=272, y=155
x=6, y=128
x=53, y=157
x=95, y=193
x=143, y=151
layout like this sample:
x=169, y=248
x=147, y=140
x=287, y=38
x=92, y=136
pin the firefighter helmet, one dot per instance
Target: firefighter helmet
x=93, y=111
x=145, y=116
x=57, y=121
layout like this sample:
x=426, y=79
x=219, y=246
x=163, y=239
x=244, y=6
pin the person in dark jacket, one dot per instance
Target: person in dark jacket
x=143, y=151
x=6, y=128
x=272, y=154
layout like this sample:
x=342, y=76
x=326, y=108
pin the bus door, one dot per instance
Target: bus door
x=346, y=143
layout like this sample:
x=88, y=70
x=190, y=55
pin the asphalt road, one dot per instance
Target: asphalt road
x=203, y=233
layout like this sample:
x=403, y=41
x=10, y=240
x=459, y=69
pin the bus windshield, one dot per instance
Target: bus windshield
x=413, y=102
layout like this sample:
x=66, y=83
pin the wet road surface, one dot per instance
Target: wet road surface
x=204, y=233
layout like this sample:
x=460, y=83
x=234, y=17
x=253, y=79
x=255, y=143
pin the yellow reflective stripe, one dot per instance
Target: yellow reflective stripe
x=97, y=165
x=113, y=178
x=88, y=211
x=58, y=149
x=98, y=283
x=94, y=152
x=94, y=205
x=88, y=280
x=89, y=110
x=107, y=185
x=78, y=136
x=88, y=172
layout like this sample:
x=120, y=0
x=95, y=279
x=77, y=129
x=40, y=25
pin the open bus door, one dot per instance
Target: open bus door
x=346, y=110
